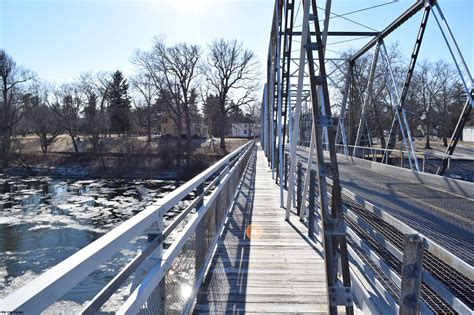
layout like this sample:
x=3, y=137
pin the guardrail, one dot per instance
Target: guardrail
x=398, y=262
x=374, y=152
x=214, y=190
x=379, y=155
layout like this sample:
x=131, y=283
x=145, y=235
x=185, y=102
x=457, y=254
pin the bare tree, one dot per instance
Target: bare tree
x=174, y=72
x=13, y=79
x=98, y=84
x=428, y=81
x=449, y=100
x=67, y=105
x=95, y=87
x=231, y=71
x=210, y=110
x=43, y=120
x=182, y=65
x=146, y=110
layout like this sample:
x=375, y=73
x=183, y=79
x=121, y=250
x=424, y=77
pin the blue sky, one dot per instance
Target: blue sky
x=59, y=39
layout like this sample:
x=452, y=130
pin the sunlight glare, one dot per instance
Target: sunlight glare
x=186, y=291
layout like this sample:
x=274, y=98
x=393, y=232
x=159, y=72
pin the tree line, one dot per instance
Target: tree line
x=223, y=78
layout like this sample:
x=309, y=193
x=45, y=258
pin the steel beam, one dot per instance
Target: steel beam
x=400, y=111
x=390, y=28
x=335, y=246
x=297, y=112
x=466, y=79
x=341, y=129
x=289, y=22
x=342, y=33
x=279, y=136
x=368, y=96
x=400, y=117
x=411, y=275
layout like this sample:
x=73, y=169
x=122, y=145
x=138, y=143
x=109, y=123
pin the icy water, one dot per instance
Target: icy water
x=44, y=220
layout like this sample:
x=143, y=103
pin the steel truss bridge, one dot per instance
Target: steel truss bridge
x=279, y=227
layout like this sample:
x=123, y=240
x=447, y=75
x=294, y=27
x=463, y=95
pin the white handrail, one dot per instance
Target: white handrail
x=47, y=288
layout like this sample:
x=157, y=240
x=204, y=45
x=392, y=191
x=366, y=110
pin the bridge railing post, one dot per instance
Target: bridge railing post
x=424, y=162
x=286, y=172
x=157, y=300
x=312, y=203
x=200, y=252
x=411, y=275
x=299, y=186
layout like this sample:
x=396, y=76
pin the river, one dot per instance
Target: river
x=45, y=220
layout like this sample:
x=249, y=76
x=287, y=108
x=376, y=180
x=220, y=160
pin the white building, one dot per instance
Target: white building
x=468, y=134
x=245, y=130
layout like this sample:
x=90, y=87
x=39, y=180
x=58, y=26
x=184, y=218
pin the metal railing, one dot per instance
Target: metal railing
x=379, y=155
x=390, y=255
x=203, y=220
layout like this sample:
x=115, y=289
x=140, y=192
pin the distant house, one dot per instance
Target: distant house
x=468, y=134
x=245, y=130
x=168, y=126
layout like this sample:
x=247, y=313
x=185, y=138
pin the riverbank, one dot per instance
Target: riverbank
x=120, y=157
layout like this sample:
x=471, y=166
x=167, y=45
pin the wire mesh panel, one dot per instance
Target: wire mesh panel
x=180, y=278
x=221, y=204
x=156, y=301
x=210, y=229
x=174, y=293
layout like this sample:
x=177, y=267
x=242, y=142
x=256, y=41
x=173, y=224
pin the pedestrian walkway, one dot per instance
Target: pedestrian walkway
x=263, y=264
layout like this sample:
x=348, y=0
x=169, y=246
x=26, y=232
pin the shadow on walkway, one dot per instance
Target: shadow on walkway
x=224, y=288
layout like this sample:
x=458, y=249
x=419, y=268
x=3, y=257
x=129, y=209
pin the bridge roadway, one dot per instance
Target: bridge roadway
x=262, y=263
x=444, y=217
x=425, y=202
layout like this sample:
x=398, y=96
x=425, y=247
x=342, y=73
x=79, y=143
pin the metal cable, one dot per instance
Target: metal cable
x=369, y=8
x=347, y=19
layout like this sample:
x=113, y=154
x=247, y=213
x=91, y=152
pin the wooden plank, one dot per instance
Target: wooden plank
x=273, y=269
x=281, y=308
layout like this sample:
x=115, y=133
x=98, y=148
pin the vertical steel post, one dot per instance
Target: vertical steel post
x=289, y=21
x=290, y=185
x=312, y=203
x=264, y=128
x=199, y=246
x=411, y=275
x=279, y=110
x=296, y=117
x=312, y=144
x=299, y=186
x=272, y=102
x=335, y=246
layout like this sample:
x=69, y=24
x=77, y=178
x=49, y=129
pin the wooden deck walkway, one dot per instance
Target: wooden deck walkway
x=263, y=264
